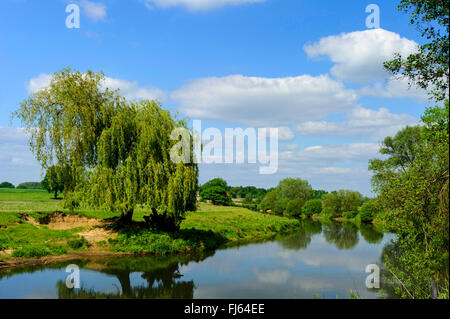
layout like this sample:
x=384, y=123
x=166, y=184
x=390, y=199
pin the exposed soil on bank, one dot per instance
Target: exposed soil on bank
x=62, y=221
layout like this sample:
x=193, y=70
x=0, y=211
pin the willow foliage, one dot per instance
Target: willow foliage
x=117, y=151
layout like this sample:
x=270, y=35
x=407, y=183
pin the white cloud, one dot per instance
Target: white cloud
x=96, y=11
x=330, y=167
x=361, y=123
x=359, y=55
x=272, y=276
x=259, y=101
x=285, y=133
x=130, y=90
x=395, y=88
x=38, y=83
x=323, y=155
x=196, y=5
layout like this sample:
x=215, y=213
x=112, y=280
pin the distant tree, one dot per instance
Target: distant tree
x=216, y=191
x=280, y=205
x=312, y=207
x=7, y=185
x=318, y=194
x=268, y=203
x=292, y=188
x=248, y=198
x=53, y=181
x=294, y=207
x=29, y=185
x=369, y=210
x=350, y=201
x=332, y=205
x=335, y=204
x=118, y=151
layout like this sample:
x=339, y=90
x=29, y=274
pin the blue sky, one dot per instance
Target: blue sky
x=311, y=68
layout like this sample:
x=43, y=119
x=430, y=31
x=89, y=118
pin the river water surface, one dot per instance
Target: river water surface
x=321, y=260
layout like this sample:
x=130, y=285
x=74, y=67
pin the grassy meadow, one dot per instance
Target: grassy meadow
x=29, y=227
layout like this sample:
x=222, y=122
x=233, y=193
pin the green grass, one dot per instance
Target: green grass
x=208, y=228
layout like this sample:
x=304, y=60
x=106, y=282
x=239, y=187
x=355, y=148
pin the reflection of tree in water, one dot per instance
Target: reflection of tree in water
x=371, y=234
x=404, y=276
x=302, y=238
x=344, y=236
x=311, y=226
x=391, y=287
x=162, y=276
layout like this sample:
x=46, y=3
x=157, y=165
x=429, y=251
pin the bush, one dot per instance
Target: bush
x=350, y=215
x=311, y=207
x=29, y=185
x=294, y=207
x=39, y=251
x=6, y=185
x=369, y=210
x=78, y=243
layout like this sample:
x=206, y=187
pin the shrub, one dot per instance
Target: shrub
x=32, y=251
x=78, y=243
x=311, y=207
x=39, y=251
x=6, y=185
x=350, y=215
x=294, y=207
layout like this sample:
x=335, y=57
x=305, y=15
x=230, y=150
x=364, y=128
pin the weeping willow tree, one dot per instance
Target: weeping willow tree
x=117, y=153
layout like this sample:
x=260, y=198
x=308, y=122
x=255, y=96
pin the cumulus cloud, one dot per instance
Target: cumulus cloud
x=96, y=11
x=324, y=155
x=130, y=90
x=272, y=276
x=330, y=167
x=260, y=101
x=395, y=88
x=361, y=123
x=196, y=5
x=359, y=55
x=285, y=133
x=38, y=83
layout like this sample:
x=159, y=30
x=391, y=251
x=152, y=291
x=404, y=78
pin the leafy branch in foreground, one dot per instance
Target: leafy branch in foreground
x=428, y=68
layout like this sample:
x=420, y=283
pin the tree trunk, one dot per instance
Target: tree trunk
x=161, y=221
x=127, y=217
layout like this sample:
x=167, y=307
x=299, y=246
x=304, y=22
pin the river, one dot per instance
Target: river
x=321, y=260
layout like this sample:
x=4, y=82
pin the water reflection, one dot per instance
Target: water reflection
x=344, y=236
x=322, y=258
x=162, y=277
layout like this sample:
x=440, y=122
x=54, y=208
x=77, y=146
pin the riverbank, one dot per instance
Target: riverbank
x=33, y=227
